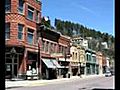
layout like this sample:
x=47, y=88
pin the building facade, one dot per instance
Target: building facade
x=99, y=57
x=92, y=65
x=21, y=18
x=54, y=51
x=104, y=63
x=77, y=60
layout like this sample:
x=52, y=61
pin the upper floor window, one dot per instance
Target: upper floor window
x=20, y=7
x=43, y=44
x=94, y=58
x=46, y=47
x=7, y=5
x=7, y=31
x=30, y=13
x=72, y=55
x=30, y=36
x=37, y=17
x=75, y=56
x=20, y=31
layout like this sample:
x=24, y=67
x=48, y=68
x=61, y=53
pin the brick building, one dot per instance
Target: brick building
x=54, y=49
x=21, y=18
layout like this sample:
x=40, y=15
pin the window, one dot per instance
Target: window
x=43, y=43
x=30, y=13
x=37, y=17
x=52, y=48
x=72, y=55
x=75, y=56
x=7, y=5
x=30, y=36
x=20, y=7
x=46, y=47
x=20, y=31
x=7, y=31
x=49, y=47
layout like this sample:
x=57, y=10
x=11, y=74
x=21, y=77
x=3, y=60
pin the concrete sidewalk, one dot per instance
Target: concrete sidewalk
x=24, y=83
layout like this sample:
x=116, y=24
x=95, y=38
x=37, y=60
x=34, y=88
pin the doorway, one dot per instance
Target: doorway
x=11, y=66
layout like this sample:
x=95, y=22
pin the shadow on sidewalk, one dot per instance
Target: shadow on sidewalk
x=13, y=87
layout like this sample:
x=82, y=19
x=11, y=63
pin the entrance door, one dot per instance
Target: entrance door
x=11, y=66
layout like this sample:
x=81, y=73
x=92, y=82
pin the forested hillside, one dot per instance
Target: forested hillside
x=74, y=29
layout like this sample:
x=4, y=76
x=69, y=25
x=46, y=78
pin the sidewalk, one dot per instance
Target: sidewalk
x=23, y=83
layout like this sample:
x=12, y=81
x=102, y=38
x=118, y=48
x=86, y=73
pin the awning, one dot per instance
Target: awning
x=51, y=63
x=56, y=64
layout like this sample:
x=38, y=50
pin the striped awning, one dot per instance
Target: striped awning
x=51, y=63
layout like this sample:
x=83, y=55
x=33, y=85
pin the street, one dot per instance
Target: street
x=79, y=84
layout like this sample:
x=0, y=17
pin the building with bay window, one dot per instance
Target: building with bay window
x=21, y=18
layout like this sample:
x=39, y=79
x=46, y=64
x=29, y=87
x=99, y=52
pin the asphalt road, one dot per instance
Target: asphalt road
x=79, y=84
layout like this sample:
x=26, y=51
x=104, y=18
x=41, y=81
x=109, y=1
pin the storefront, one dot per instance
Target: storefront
x=13, y=61
x=50, y=68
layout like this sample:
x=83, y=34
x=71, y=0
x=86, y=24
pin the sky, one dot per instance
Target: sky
x=94, y=14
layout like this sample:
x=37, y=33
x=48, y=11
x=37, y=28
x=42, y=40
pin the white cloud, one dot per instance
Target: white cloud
x=78, y=5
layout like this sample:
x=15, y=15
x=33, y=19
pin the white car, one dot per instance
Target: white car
x=108, y=74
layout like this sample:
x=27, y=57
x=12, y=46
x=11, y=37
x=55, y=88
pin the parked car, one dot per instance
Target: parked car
x=112, y=72
x=108, y=74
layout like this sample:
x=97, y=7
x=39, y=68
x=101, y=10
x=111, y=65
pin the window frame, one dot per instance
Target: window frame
x=7, y=33
x=32, y=11
x=37, y=16
x=21, y=32
x=30, y=32
x=8, y=6
x=21, y=9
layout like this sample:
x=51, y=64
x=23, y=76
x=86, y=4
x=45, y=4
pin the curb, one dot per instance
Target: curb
x=17, y=84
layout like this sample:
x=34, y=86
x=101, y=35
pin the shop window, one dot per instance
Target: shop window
x=7, y=31
x=30, y=36
x=20, y=7
x=7, y=5
x=8, y=60
x=20, y=31
x=30, y=13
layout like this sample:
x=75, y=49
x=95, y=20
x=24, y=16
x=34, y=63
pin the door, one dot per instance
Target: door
x=11, y=67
